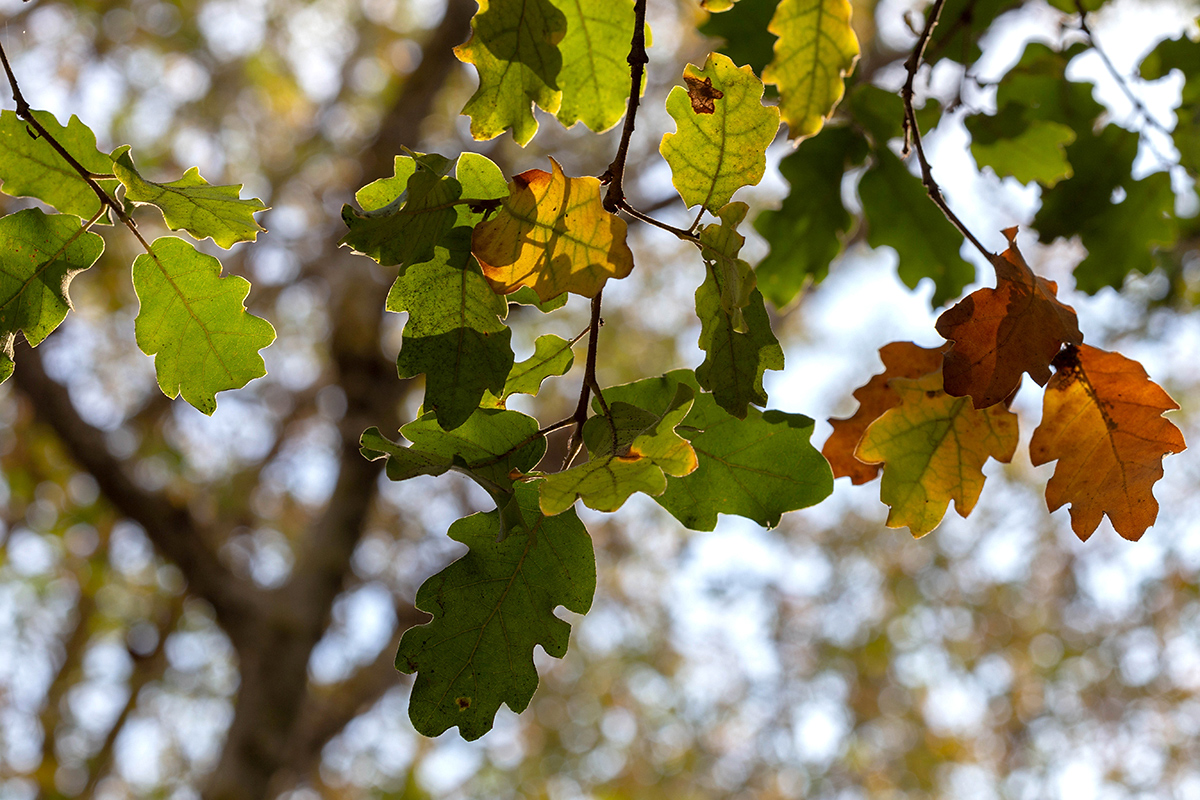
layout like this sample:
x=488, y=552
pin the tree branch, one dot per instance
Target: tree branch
x=637, y=59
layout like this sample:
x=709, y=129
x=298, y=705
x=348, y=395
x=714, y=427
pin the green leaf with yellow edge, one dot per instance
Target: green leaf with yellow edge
x=735, y=332
x=723, y=131
x=805, y=233
x=193, y=322
x=717, y=6
x=899, y=215
x=759, y=467
x=552, y=356
x=1026, y=149
x=514, y=47
x=552, y=234
x=192, y=204
x=634, y=452
x=933, y=448
x=816, y=49
x=31, y=167
x=405, y=216
x=490, y=608
x=454, y=335
x=39, y=255
x=595, y=75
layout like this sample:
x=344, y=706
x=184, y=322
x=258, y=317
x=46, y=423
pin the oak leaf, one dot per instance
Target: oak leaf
x=1000, y=333
x=934, y=447
x=552, y=234
x=900, y=360
x=1102, y=420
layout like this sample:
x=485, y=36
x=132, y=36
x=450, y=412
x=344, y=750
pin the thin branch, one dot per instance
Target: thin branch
x=623, y=205
x=1138, y=105
x=637, y=59
x=589, y=383
x=912, y=131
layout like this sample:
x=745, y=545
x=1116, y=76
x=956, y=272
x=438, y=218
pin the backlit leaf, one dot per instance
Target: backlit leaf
x=1026, y=149
x=805, y=233
x=744, y=32
x=490, y=608
x=191, y=204
x=1124, y=237
x=723, y=131
x=646, y=450
x=552, y=234
x=595, y=75
x=899, y=214
x=816, y=49
x=1102, y=421
x=900, y=360
x=193, y=321
x=39, y=255
x=514, y=47
x=552, y=356
x=30, y=167
x=1000, y=333
x=1101, y=164
x=933, y=448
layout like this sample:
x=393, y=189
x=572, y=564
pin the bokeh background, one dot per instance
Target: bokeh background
x=209, y=607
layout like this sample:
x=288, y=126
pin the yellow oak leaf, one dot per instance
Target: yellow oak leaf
x=553, y=235
x=933, y=448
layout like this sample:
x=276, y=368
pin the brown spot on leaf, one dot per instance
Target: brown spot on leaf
x=463, y=703
x=702, y=94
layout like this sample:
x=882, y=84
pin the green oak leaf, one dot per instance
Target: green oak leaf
x=805, y=233
x=719, y=247
x=595, y=75
x=723, y=131
x=1123, y=238
x=1026, y=149
x=193, y=322
x=960, y=27
x=744, y=31
x=488, y=447
x=31, y=167
x=1038, y=84
x=899, y=215
x=490, y=608
x=514, y=47
x=816, y=49
x=526, y=296
x=192, y=204
x=454, y=335
x=552, y=356
x=1102, y=163
x=1184, y=55
x=634, y=452
x=405, y=216
x=39, y=255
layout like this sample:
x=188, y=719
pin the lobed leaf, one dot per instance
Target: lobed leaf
x=191, y=204
x=595, y=74
x=1013, y=145
x=39, y=255
x=900, y=360
x=1184, y=55
x=933, y=448
x=1102, y=421
x=552, y=356
x=490, y=609
x=723, y=131
x=1000, y=333
x=31, y=167
x=816, y=49
x=514, y=48
x=552, y=234
x=193, y=322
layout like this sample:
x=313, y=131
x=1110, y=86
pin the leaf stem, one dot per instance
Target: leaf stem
x=26, y=113
x=912, y=131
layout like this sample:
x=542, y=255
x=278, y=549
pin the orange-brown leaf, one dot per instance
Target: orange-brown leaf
x=553, y=235
x=1102, y=420
x=1000, y=333
x=900, y=360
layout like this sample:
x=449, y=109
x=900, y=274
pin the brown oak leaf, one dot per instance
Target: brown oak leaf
x=1000, y=333
x=1102, y=420
x=900, y=360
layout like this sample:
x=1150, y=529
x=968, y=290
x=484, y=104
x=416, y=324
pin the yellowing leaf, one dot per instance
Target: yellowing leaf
x=514, y=47
x=933, y=448
x=723, y=131
x=191, y=204
x=816, y=49
x=1102, y=420
x=595, y=75
x=553, y=235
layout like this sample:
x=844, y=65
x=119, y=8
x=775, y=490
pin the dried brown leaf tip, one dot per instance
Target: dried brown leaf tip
x=702, y=94
x=998, y=334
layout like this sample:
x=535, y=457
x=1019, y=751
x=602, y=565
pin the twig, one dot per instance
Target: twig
x=912, y=131
x=623, y=205
x=637, y=59
x=589, y=384
x=1138, y=105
